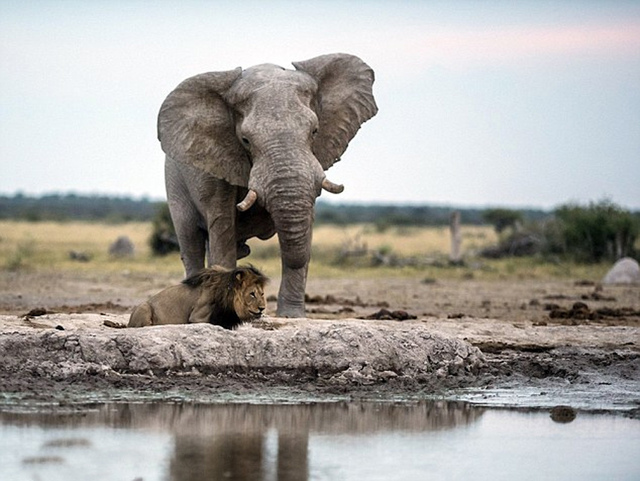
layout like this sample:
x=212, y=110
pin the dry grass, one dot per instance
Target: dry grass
x=404, y=241
x=46, y=246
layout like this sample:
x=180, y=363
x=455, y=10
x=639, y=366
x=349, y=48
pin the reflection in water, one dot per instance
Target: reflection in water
x=232, y=441
x=227, y=455
x=239, y=456
x=341, y=441
x=242, y=441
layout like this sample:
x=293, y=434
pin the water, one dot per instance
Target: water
x=324, y=441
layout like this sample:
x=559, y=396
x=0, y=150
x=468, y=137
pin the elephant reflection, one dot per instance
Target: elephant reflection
x=241, y=457
x=250, y=442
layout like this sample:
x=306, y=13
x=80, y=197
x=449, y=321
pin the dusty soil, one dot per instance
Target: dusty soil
x=522, y=343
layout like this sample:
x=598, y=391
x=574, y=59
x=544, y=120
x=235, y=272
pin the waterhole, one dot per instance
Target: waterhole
x=316, y=441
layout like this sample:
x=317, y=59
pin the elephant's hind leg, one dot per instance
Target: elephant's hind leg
x=187, y=221
x=192, y=239
x=141, y=316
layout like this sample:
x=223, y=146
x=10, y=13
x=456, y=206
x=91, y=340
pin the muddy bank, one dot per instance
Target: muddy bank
x=336, y=354
x=517, y=343
x=62, y=357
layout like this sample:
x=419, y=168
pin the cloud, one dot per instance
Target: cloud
x=464, y=47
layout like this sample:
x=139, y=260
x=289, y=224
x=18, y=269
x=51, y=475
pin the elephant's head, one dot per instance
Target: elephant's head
x=273, y=132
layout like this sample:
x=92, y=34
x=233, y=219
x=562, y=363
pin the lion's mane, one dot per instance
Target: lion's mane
x=236, y=294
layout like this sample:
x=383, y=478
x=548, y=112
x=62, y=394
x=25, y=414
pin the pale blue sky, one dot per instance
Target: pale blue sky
x=508, y=103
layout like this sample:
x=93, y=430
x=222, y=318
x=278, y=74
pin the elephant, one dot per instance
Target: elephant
x=246, y=152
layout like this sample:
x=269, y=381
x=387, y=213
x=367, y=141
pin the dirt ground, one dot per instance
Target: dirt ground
x=544, y=343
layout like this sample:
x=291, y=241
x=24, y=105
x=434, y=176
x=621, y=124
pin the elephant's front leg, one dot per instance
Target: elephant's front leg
x=221, y=226
x=292, y=291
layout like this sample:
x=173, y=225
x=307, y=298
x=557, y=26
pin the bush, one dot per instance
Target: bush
x=518, y=244
x=601, y=231
x=163, y=239
x=502, y=219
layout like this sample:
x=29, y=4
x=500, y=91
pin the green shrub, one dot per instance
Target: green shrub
x=163, y=238
x=601, y=231
x=502, y=219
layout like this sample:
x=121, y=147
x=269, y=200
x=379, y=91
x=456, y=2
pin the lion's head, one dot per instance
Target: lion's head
x=248, y=293
x=237, y=295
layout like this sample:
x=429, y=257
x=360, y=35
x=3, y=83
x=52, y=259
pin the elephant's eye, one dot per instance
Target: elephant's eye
x=246, y=142
x=314, y=131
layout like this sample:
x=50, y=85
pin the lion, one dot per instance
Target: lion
x=224, y=297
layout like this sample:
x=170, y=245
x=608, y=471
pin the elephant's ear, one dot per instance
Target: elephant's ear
x=344, y=101
x=196, y=126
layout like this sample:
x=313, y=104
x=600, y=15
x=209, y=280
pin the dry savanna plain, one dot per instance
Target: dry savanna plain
x=541, y=324
x=406, y=268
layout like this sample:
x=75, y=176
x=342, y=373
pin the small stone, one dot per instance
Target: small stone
x=563, y=414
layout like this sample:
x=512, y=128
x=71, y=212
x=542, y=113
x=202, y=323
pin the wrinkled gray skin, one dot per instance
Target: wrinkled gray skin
x=267, y=130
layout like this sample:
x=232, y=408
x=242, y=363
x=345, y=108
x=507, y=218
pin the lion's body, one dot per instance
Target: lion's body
x=216, y=295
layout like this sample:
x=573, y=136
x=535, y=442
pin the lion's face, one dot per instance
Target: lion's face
x=249, y=301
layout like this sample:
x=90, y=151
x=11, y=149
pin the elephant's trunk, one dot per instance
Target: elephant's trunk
x=293, y=220
x=287, y=185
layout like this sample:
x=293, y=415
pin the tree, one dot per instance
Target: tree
x=502, y=219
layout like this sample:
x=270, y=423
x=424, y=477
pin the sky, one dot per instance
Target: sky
x=481, y=103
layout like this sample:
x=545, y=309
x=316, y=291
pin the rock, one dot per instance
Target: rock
x=625, y=271
x=122, y=247
x=563, y=414
x=387, y=315
x=353, y=352
x=79, y=256
x=36, y=312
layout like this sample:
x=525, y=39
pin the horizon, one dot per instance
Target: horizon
x=332, y=202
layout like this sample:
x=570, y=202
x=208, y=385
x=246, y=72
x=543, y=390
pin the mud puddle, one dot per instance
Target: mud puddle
x=315, y=440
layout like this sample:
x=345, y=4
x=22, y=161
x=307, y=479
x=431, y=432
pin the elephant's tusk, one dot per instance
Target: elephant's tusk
x=331, y=187
x=248, y=201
